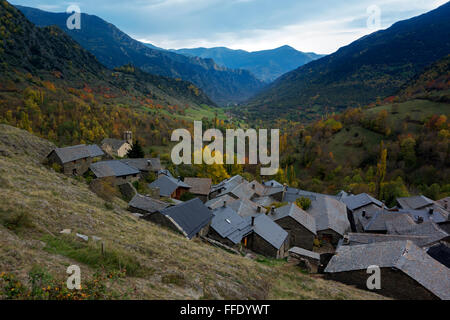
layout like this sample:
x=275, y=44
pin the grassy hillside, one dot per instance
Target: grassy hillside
x=37, y=203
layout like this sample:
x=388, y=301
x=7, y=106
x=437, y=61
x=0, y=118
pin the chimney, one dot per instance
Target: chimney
x=253, y=221
x=224, y=204
x=419, y=219
x=445, y=205
x=346, y=239
x=128, y=137
x=431, y=211
x=259, y=209
x=272, y=210
x=254, y=186
x=284, y=192
x=179, y=179
x=271, y=184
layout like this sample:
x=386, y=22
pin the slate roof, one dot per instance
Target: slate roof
x=164, y=172
x=228, y=184
x=112, y=168
x=429, y=229
x=292, y=194
x=167, y=185
x=272, y=183
x=269, y=231
x=143, y=164
x=228, y=224
x=262, y=190
x=438, y=216
x=304, y=253
x=189, y=217
x=95, y=151
x=218, y=202
x=329, y=214
x=265, y=201
x=147, y=204
x=299, y=215
x=402, y=255
x=246, y=208
x=354, y=202
x=115, y=144
x=377, y=220
x=444, y=202
x=415, y=202
x=200, y=186
x=354, y=239
x=73, y=153
x=258, y=188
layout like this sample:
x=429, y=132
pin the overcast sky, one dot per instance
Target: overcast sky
x=320, y=26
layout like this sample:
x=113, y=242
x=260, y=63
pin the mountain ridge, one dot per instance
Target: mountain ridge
x=373, y=67
x=267, y=65
x=114, y=48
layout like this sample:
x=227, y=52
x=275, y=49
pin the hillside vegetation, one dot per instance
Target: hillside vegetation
x=49, y=85
x=140, y=260
x=345, y=151
x=113, y=48
x=374, y=67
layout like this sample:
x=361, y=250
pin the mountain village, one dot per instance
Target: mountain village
x=340, y=235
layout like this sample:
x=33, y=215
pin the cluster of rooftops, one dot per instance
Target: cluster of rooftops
x=359, y=230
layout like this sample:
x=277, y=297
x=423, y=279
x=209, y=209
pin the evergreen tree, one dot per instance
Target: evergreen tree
x=136, y=151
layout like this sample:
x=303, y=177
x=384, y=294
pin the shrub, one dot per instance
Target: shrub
x=187, y=196
x=105, y=188
x=303, y=202
x=15, y=221
x=56, y=167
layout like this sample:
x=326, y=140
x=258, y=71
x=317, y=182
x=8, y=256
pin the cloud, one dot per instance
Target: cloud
x=320, y=26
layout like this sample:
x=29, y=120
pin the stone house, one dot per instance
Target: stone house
x=74, y=160
x=268, y=238
x=191, y=218
x=331, y=218
x=170, y=187
x=145, y=205
x=200, y=187
x=305, y=259
x=229, y=228
x=300, y=225
x=117, y=147
x=144, y=165
x=121, y=172
x=407, y=271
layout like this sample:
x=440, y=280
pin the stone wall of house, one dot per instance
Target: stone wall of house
x=330, y=236
x=126, y=179
x=215, y=236
x=78, y=167
x=394, y=284
x=123, y=150
x=261, y=246
x=306, y=263
x=299, y=236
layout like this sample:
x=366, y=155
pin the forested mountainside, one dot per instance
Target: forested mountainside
x=113, y=48
x=51, y=86
x=266, y=65
x=373, y=67
x=408, y=135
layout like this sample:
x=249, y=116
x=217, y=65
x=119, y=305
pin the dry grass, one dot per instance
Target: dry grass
x=166, y=265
